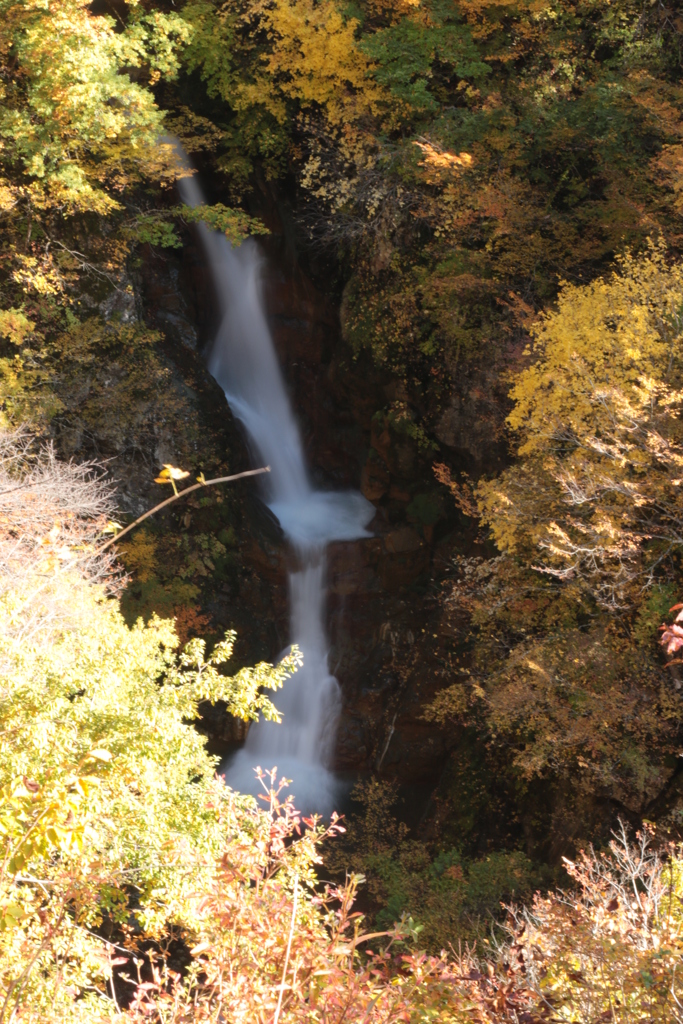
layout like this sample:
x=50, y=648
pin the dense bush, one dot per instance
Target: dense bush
x=118, y=843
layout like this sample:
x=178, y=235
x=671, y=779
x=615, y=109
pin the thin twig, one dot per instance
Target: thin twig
x=289, y=946
x=19, y=982
x=111, y=981
x=181, y=494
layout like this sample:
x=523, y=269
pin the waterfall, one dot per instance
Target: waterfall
x=244, y=363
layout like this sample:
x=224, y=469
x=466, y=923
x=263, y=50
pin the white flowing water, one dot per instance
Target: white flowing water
x=244, y=362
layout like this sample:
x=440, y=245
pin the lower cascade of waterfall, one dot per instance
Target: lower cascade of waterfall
x=310, y=702
x=244, y=363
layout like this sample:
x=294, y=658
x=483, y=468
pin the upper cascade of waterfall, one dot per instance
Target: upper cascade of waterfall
x=244, y=363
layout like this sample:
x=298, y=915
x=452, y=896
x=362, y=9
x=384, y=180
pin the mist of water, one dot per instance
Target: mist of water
x=244, y=362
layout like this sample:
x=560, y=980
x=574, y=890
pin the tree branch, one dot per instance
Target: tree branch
x=181, y=494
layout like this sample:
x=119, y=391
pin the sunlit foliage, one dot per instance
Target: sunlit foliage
x=597, y=417
x=85, y=176
x=586, y=520
x=610, y=948
x=105, y=780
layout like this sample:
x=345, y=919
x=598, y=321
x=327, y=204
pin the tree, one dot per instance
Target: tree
x=85, y=172
x=76, y=130
x=587, y=521
x=597, y=414
x=104, y=780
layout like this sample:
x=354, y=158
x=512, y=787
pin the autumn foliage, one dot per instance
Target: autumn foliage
x=596, y=417
x=498, y=187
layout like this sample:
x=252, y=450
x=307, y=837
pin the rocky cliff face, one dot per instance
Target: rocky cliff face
x=385, y=624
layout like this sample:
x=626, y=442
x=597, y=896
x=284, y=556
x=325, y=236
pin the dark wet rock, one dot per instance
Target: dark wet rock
x=377, y=621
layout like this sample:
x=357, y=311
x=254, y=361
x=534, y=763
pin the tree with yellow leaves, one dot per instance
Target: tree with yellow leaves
x=105, y=786
x=597, y=493
x=588, y=520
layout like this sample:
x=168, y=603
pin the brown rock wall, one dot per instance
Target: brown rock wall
x=375, y=619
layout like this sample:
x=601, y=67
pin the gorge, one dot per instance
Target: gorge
x=432, y=278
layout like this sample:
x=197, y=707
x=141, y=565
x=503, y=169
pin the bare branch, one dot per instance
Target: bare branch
x=182, y=494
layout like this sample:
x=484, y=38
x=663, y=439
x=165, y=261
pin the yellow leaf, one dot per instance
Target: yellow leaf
x=201, y=948
x=100, y=755
x=173, y=472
